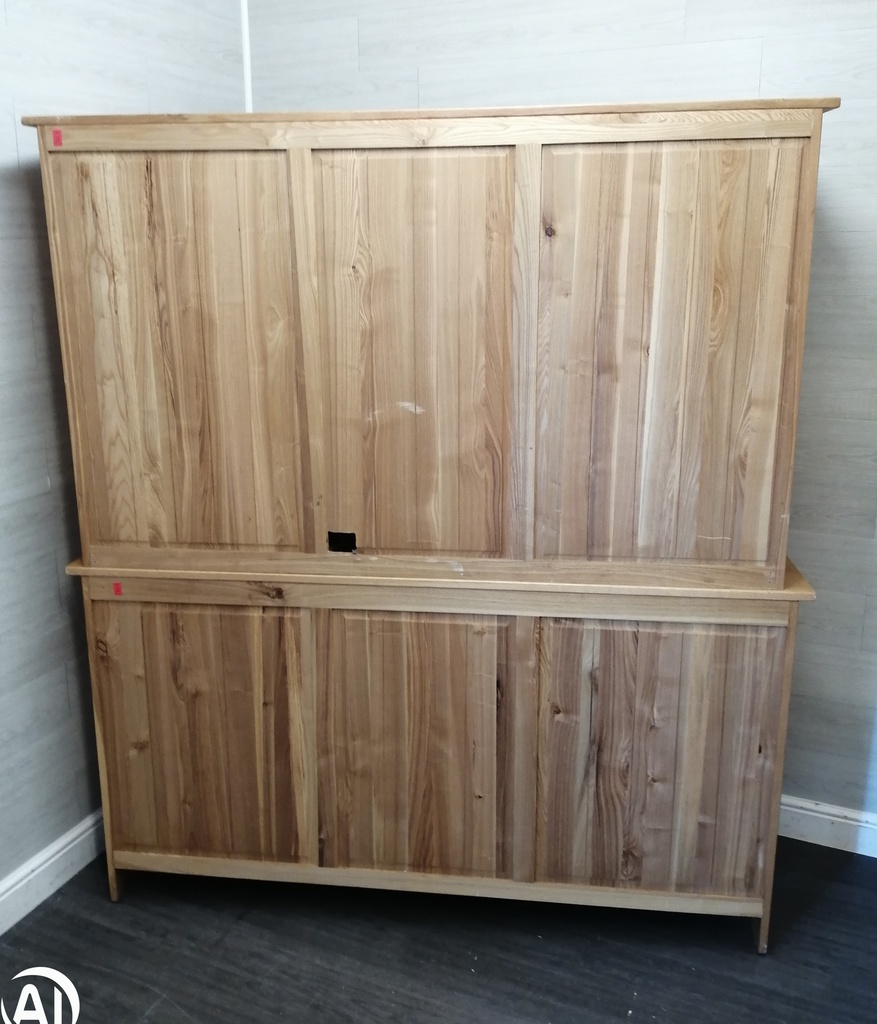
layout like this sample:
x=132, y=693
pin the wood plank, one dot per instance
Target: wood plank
x=796, y=322
x=411, y=881
x=628, y=229
x=824, y=103
x=183, y=653
x=569, y=656
x=273, y=369
x=99, y=681
x=669, y=342
x=772, y=810
x=86, y=318
x=708, y=437
x=579, y=576
x=436, y=132
x=748, y=750
x=703, y=678
x=613, y=714
x=770, y=226
x=310, y=346
x=182, y=313
x=565, y=353
x=520, y=482
x=501, y=600
x=653, y=758
x=517, y=685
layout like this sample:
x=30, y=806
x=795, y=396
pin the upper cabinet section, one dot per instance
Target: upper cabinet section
x=570, y=335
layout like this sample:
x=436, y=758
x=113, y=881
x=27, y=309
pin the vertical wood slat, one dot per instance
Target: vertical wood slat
x=517, y=696
x=770, y=232
x=704, y=676
x=748, y=760
x=656, y=735
x=310, y=345
x=613, y=717
x=771, y=809
x=794, y=349
x=569, y=652
x=519, y=492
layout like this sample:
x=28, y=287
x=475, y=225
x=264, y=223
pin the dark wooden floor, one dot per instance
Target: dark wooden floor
x=178, y=950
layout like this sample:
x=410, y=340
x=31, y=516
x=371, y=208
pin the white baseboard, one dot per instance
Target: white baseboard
x=25, y=888
x=829, y=825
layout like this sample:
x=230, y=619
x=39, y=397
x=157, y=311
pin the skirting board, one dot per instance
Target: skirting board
x=25, y=888
x=829, y=825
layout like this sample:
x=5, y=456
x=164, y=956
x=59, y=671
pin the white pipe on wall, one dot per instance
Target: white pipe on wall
x=245, y=46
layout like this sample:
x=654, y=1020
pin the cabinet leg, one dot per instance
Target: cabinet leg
x=761, y=928
x=114, y=879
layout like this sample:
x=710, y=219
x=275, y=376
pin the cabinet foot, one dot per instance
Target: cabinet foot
x=761, y=926
x=115, y=881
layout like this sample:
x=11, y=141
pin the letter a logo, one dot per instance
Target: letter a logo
x=30, y=1004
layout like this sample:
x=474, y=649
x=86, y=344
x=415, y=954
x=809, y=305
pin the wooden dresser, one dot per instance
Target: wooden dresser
x=433, y=472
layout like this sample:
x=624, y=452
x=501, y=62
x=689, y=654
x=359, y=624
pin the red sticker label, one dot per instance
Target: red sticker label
x=117, y=589
x=56, y=137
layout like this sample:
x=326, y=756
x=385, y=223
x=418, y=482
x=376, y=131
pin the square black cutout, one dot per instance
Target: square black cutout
x=342, y=541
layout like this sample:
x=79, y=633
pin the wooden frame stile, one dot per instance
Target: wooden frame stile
x=310, y=383
x=521, y=473
x=763, y=925
x=100, y=727
x=794, y=341
x=83, y=486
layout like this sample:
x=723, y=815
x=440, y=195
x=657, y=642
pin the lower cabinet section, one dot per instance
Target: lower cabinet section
x=623, y=754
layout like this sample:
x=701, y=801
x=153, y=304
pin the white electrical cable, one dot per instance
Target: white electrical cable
x=248, y=68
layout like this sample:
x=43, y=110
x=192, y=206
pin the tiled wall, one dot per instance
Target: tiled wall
x=65, y=56
x=349, y=54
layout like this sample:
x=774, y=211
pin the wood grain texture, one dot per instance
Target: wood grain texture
x=415, y=249
x=407, y=742
x=188, y=692
x=174, y=285
x=794, y=341
x=452, y=885
x=657, y=748
x=386, y=596
x=555, y=354
x=533, y=351
x=664, y=271
x=440, y=131
x=546, y=753
x=517, y=693
x=822, y=103
x=666, y=579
